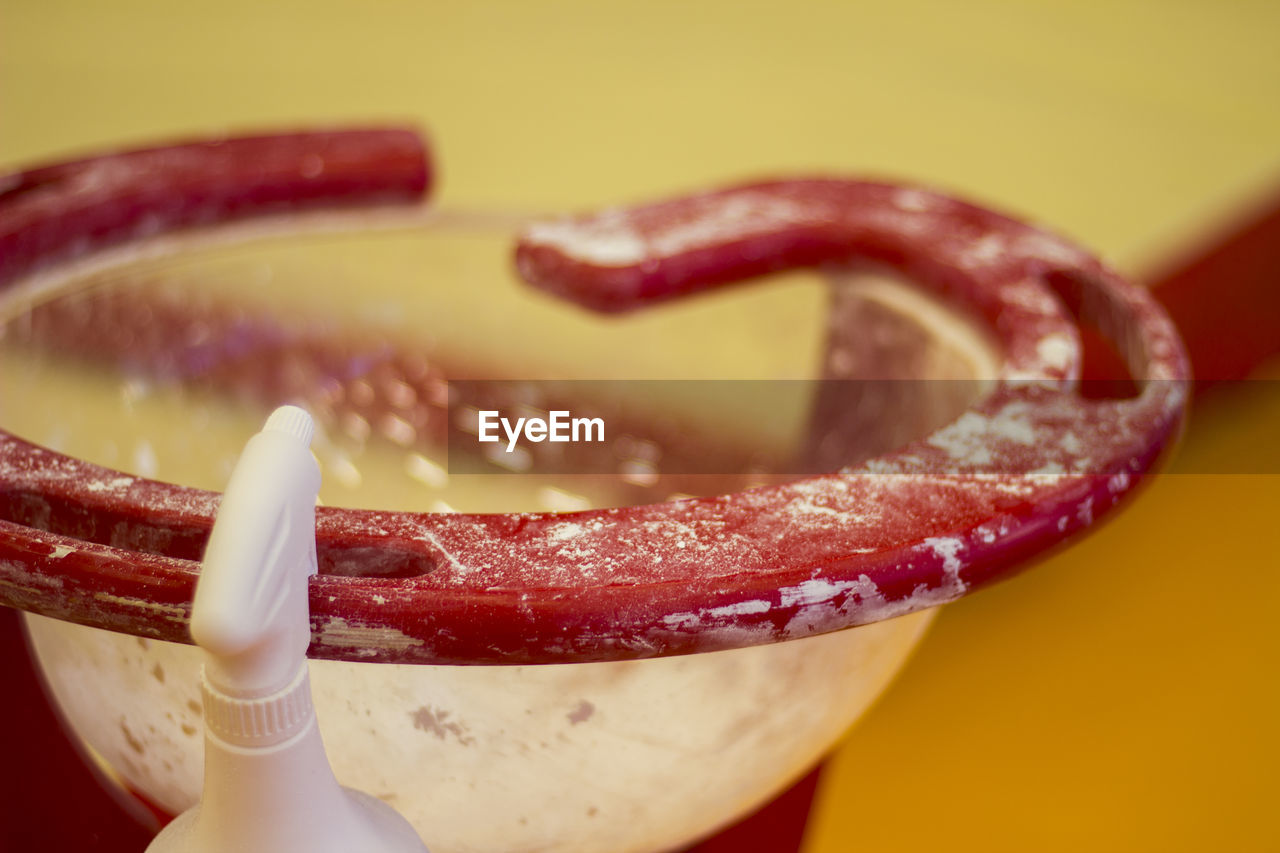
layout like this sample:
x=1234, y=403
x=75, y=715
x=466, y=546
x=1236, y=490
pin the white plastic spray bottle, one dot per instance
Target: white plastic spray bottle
x=268, y=787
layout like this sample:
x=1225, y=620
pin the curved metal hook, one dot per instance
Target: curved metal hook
x=1028, y=466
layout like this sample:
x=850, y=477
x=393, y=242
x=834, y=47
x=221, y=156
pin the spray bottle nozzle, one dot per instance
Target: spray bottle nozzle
x=250, y=610
x=268, y=785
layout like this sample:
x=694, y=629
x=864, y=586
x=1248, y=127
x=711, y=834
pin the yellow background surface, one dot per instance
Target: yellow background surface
x=1123, y=696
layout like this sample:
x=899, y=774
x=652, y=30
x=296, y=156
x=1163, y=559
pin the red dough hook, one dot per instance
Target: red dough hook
x=1028, y=466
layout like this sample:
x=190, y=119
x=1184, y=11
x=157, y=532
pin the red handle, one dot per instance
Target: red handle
x=1226, y=301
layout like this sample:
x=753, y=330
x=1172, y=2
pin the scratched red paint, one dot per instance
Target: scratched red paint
x=1027, y=467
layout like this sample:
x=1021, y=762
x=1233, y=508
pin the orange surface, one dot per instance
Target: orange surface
x=1123, y=696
